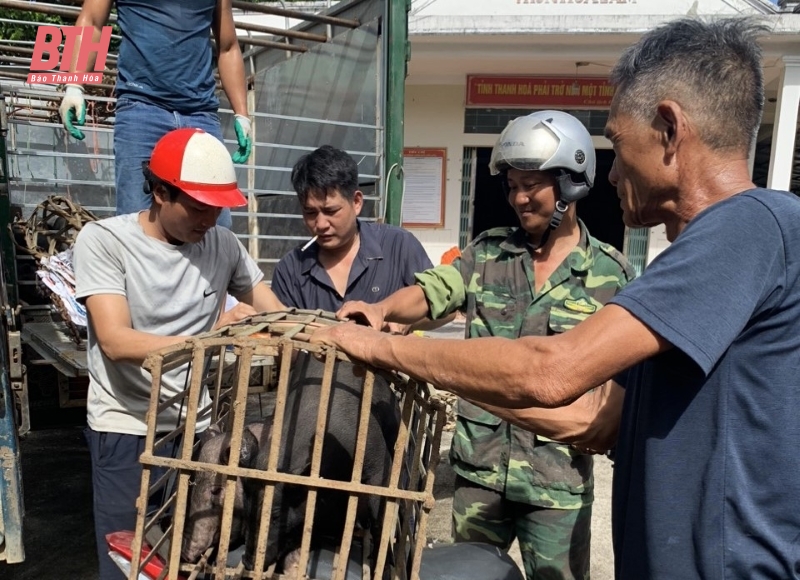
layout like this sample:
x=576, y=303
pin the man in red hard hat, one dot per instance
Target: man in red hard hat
x=149, y=280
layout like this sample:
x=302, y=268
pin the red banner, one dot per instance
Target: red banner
x=528, y=91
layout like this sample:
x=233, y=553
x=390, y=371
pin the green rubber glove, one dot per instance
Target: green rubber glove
x=241, y=125
x=73, y=110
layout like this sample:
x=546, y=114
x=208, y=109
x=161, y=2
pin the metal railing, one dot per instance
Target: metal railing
x=331, y=93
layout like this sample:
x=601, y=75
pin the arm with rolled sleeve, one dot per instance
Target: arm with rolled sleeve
x=445, y=286
x=437, y=292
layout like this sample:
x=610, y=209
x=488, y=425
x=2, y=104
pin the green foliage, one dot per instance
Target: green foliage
x=10, y=31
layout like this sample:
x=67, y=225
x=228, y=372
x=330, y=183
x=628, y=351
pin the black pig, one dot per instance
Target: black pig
x=297, y=439
x=204, y=513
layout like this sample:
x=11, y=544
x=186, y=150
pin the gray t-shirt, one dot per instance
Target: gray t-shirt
x=171, y=290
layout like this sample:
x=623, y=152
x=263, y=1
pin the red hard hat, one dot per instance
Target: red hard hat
x=198, y=164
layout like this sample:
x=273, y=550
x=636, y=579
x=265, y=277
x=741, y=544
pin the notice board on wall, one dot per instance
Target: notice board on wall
x=424, y=179
x=533, y=91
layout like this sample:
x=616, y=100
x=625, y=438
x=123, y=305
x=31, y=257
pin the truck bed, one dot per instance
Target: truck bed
x=52, y=342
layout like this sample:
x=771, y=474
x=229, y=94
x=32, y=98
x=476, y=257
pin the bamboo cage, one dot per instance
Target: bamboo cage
x=223, y=364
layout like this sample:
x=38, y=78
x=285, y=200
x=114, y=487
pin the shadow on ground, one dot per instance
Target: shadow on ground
x=445, y=476
x=58, y=532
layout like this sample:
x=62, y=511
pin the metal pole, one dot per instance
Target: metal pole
x=252, y=200
x=51, y=9
x=297, y=14
x=29, y=51
x=272, y=44
x=6, y=242
x=397, y=58
x=281, y=32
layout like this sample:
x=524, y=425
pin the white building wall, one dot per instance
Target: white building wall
x=434, y=117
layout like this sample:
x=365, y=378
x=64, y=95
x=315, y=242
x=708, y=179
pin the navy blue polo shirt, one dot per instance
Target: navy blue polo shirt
x=386, y=261
x=707, y=474
x=165, y=57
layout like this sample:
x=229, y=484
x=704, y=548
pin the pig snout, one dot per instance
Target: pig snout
x=291, y=564
x=207, y=495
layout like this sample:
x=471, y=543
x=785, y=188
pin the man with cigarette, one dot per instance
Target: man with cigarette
x=347, y=258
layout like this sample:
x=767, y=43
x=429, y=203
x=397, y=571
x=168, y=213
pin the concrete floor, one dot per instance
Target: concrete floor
x=58, y=531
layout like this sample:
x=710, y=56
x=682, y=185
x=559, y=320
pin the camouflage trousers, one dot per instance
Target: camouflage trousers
x=554, y=543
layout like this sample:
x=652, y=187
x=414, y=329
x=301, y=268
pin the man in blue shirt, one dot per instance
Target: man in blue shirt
x=706, y=479
x=350, y=259
x=165, y=81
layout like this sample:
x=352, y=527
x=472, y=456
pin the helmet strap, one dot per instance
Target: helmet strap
x=555, y=221
x=558, y=215
x=568, y=191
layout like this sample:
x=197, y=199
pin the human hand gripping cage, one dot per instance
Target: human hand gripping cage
x=345, y=462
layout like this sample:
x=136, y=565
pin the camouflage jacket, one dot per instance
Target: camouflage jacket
x=492, y=282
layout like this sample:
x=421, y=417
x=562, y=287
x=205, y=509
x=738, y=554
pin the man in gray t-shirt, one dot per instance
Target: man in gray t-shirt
x=151, y=280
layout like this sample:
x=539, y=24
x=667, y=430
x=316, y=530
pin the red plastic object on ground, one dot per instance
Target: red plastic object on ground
x=119, y=549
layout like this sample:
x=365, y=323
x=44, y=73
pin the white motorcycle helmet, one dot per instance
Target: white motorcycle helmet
x=551, y=141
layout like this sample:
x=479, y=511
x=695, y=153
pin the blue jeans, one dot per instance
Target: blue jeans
x=137, y=128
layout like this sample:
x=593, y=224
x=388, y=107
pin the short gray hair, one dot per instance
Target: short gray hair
x=712, y=69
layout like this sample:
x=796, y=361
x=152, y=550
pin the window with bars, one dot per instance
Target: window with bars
x=467, y=178
x=493, y=121
x=637, y=242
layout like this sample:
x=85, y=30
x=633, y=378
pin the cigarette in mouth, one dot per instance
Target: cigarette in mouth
x=308, y=244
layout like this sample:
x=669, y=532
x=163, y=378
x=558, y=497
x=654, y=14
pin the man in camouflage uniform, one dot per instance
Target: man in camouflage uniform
x=539, y=279
x=511, y=482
